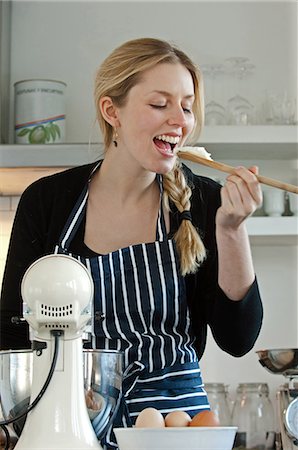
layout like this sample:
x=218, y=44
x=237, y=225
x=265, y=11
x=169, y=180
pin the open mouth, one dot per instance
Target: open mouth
x=166, y=144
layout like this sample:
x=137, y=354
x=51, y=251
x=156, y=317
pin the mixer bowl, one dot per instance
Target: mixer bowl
x=102, y=383
x=280, y=360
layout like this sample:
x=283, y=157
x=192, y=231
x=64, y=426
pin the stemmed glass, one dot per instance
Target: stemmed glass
x=240, y=109
x=215, y=113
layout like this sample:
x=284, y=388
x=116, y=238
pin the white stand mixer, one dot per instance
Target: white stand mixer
x=57, y=291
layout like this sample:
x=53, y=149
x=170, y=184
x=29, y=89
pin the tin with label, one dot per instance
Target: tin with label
x=39, y=111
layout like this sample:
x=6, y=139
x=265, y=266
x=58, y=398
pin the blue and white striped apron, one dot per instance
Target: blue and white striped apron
x=142, y=296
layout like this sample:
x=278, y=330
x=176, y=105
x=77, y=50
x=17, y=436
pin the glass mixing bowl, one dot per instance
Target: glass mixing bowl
x=103, y=371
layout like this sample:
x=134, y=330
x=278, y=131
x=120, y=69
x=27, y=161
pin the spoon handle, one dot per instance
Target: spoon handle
x=230, y=169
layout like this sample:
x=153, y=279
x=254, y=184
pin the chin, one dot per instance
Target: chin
x=164, y=167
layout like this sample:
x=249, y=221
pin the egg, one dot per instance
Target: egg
x=177, y=419
x=205, y=418
x=150, y=418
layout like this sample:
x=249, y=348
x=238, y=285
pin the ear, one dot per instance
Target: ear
x=109, y=111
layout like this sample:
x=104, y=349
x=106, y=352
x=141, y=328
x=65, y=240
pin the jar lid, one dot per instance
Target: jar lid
x=261, y=388
x=215, y=387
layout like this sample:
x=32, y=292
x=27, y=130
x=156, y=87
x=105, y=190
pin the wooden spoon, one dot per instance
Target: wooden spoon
x=191, y=155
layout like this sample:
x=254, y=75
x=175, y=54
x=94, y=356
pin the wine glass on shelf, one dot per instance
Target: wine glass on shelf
x=215, y=112
x=240, y=109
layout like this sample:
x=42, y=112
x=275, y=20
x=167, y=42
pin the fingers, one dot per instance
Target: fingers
x=247, y=185
x=240, y=197
x=254, y=169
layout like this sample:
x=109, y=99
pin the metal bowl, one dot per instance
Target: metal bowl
x=280, y=360
x=103, y=371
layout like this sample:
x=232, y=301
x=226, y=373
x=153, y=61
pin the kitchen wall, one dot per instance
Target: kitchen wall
x=68, y=40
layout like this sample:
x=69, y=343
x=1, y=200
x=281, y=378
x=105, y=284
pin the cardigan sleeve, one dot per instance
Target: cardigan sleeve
x=236, y=325
x=27, y=244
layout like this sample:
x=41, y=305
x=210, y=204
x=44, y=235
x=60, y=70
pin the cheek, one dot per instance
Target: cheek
x=187, y=130
x=190, y=124
x=138, y=120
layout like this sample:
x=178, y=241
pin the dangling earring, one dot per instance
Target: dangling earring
x=115, y=137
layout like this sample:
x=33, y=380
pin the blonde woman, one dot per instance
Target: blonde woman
x=167, y=249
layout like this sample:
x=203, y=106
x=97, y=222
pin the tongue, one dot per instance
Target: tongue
x=162, y=144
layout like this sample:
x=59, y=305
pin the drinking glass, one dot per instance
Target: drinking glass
x=215, y=112
x=240, y=109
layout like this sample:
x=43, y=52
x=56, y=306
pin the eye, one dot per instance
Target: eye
x=187, y=110
x=158, y=106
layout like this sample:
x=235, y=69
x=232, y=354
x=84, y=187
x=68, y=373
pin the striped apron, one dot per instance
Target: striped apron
x=142, y=296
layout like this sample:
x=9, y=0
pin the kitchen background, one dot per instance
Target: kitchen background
x=67, y=41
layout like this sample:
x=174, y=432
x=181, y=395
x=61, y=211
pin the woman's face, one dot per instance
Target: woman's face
x=157, y=117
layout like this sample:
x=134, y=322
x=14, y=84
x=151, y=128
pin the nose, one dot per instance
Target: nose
x=177, y=116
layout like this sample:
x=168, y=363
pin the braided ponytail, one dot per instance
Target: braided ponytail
x=189, y=244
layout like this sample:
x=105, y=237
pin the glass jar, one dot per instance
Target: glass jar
x=217, y=396
x=253, y=414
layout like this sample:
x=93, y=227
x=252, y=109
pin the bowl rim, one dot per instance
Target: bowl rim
x=85, y=350
x=11, y=352
x=168, y=429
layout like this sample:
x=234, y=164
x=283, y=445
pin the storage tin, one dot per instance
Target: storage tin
x=39, y=111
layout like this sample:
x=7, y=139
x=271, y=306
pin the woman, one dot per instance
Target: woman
x=168, y=250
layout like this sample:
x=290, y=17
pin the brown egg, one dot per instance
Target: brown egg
x=150, y=418
x=205, y=419
x=177, y=419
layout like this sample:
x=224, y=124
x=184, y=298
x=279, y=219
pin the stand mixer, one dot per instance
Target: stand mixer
x=285, y=362
x=57, y=291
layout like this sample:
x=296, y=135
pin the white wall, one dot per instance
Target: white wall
x=68, y=40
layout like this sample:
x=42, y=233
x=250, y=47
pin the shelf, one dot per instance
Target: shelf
x=273, y=230
x=274, y=226
x=251, y=142
x=22, y=164
x=51, y=155
x=224, y=142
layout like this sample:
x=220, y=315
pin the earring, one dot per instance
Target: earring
x=115, y=137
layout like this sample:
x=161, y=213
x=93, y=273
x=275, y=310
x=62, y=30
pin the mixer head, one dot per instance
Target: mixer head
x=281, y=361
x=57, y=291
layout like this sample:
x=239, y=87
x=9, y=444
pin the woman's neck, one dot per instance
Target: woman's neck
x=124, y=180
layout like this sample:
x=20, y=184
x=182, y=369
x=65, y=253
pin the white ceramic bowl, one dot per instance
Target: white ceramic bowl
x=188, y=438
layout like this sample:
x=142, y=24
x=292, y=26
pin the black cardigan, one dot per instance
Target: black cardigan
x=41, y=214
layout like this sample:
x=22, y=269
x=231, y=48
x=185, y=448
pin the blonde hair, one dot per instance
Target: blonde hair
x=118, y=73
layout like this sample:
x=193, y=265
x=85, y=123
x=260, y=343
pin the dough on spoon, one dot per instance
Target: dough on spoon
x=198, y=151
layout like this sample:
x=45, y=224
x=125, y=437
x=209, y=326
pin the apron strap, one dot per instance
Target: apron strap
x=76, y=216
x=74, y=220
x=161, y=231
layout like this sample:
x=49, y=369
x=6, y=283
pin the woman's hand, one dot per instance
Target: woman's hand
x=240, y=197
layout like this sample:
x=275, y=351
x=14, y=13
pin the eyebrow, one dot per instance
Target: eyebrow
x=167, y=94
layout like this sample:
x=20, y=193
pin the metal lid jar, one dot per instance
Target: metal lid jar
x=218, y=399
x=253, y=414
